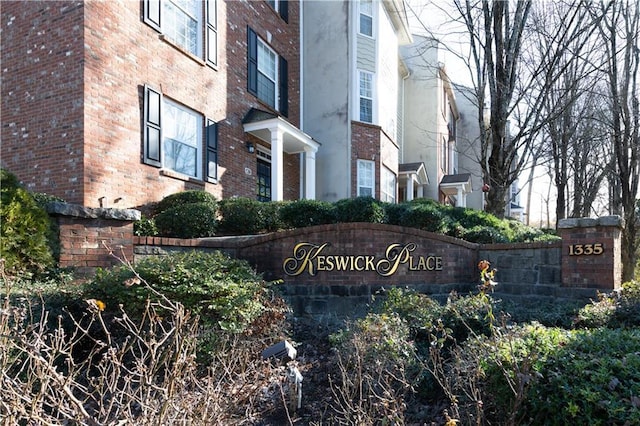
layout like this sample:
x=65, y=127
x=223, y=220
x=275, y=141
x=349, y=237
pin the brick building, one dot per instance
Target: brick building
x=120, y=103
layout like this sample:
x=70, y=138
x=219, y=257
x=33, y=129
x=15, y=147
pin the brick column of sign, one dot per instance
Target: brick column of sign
x=591, y=252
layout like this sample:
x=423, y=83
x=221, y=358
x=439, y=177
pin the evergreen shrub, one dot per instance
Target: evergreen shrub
x=25, y=228
x=302, y=213
x=359, y=209
x=226, y=293
x=485, y=235
x=242, y=216
x=185, y=197
x=424, y=216
x=193, y=220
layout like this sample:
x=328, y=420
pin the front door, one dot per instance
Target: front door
x=264, y=180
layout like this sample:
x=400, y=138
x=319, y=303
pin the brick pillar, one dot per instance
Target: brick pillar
x=90, y=237
x=591, y=252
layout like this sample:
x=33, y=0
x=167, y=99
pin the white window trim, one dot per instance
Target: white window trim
x=373, y=177
x=388, y=176
x=199, y=20
x=206, y=29
x=199, y=137
x=276, y=82
x=372, y=16
x=372, y=98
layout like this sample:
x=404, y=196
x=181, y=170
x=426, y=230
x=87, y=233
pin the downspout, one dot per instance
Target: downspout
x=351, y=53
x=301, y=156
x=404, y=82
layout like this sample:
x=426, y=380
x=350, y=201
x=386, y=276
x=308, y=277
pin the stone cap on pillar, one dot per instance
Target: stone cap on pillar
x=587, y=222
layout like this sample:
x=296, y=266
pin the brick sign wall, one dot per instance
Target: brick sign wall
x=336, y=268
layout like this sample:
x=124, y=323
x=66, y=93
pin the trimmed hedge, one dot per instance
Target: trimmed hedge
x=243, y=216
x=360, y=209
x=194, y=220
x=303, y=213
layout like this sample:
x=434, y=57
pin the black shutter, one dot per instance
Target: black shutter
x=284, y=10
x=152, y=13
x=283, y=88
x=152, y=127
x=212, y=151
x=252, y=62
x=211, y=56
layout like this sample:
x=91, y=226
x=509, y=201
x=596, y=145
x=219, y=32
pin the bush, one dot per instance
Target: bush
x=25, y=228
x=360, y=209
x=96, y=367
x=192, y=220
x=241, y=216
x=375, y=368
x=393, y=212
x=485, y=235
x=184, y=197
x=424, y=216
x=226, y=293
x=592, y=377
x=618, y=309
x=146, y=227
x=303, y=213
x=272, y=216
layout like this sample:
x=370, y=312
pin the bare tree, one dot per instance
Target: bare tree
x=619, y=28
x=515, y=78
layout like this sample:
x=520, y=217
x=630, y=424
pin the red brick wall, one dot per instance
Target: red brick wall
x=42, y=95
x=369, y=142
x=72, y=97
x=591, y=253
x=85, y=243
x=268, y=253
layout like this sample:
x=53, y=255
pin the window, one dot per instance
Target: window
x=366, y=178
x=282, y=7
x=267, y=71
x=366, y=17
x=173, y=137
x=181, y=22
x=267, y=75
x=388, y=187
x=366, y=97
x=264, y=176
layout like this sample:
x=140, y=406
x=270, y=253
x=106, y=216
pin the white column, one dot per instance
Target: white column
x=410, y=187
x=462, y=199
x=310, y=175
x=277, y=161
x=420, y=191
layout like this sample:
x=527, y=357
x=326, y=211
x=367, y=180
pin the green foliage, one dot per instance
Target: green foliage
x=272, y=215
x=193, y=220
x=618, y=309
x=593, y=377
x=146, y=226
x=25, y=228
x=426, y=216
x=393, y=212
x=548, y=312
x=460, y=315
x=469, y=218
x=303, y=213
x=360, y=209
x=485, y=235
x=241, y=216
x=184, y=197
x=510, y=362
x=226, y=293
